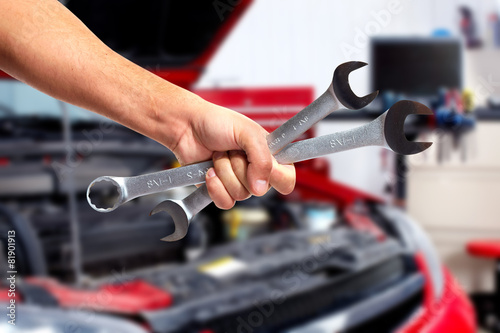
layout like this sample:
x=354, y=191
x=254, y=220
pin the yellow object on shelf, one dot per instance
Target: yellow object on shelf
x=468, y=100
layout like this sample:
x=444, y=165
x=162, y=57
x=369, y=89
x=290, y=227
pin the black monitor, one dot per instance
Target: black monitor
x=416, y=67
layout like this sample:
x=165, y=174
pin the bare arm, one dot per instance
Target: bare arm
x=44, y=45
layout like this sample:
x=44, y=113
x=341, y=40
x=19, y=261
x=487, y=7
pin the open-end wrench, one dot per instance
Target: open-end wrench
x=338, y=95
x=386, y=131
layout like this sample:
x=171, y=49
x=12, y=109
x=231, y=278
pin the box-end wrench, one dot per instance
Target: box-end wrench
x=123, y=189
x=386, y=131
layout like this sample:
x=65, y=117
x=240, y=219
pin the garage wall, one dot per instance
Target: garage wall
x=293, y=42
x=457, y=202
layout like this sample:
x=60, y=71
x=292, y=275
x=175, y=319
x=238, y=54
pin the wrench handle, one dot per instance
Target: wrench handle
x=129, y=188
x=294, y=127
x=161, y=181
x=370, y=134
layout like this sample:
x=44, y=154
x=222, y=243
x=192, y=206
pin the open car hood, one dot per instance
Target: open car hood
x=174, y=39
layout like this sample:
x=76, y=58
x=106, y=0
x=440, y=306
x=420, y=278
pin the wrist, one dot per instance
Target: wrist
x=174, y=111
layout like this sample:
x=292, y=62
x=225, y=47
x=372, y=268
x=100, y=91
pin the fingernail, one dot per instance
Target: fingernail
x=210, y=173
x=289, y=166
x=261, y=186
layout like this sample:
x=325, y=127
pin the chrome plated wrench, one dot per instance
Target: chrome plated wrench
x=338, y=95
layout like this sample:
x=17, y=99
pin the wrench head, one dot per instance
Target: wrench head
x=104, y=194
x=394, y=127
x=343, y=90
x=177, y=211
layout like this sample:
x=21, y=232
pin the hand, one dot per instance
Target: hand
x=243, y=164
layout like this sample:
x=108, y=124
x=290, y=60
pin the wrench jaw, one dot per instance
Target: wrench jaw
x=394, y=127
x=113, y=191
x=343, y=90
x=180, y=215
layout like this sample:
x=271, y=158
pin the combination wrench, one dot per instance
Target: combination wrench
x=123, y=189
x=386, y=131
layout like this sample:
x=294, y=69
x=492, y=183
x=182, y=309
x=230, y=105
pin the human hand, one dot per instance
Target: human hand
x=243, y=164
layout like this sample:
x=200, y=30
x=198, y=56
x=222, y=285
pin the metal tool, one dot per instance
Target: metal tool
x=124, y=189
x=386, y=131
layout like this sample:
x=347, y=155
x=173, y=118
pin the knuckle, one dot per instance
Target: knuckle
x=237, y=154
x=238, y=159
x=289, y=187
x=219, y=194
x=225, y=203
x=241, y=195
x=220, y=163
x=265, y=165
x=223, y=172
x=284, y=184
x=237, y=191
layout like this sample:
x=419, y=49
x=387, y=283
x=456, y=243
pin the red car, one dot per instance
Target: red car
x=375, y=270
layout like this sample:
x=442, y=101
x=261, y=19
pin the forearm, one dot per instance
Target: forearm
x=47, y=47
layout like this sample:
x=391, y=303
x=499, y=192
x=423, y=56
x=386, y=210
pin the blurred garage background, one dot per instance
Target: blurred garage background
x=368, y=242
